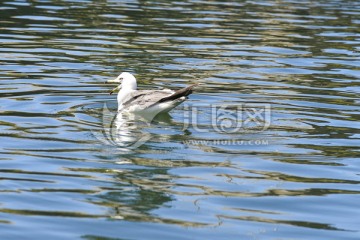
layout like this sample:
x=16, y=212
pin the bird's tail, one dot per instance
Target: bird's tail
x=179, y=93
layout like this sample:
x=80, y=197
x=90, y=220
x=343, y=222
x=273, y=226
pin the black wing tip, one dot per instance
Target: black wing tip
x=184, y=92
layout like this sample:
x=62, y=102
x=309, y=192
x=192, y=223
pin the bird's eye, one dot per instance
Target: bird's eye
x=121, y=79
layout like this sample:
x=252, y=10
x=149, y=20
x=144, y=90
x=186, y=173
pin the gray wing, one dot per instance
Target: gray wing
x=146, y=98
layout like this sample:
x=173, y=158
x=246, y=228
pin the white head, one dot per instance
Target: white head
x=126, y=80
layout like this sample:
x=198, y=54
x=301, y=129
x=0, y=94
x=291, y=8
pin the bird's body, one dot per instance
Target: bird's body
x=146, y=102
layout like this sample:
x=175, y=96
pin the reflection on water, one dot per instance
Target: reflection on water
x=122, y=129
x=61, y=178
x=129, y=131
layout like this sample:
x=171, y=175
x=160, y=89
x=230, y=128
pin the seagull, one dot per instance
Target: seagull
x=146, y=102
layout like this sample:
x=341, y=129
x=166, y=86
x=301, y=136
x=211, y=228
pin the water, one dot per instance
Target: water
x=297, y=179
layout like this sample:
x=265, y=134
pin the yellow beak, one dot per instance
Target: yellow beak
x=115, y=89
x=116, y=80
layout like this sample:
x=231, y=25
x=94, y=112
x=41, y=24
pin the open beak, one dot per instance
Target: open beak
x=114, y=81
x=115, y=89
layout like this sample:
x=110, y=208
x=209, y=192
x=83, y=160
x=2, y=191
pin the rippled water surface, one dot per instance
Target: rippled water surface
x=297, y=179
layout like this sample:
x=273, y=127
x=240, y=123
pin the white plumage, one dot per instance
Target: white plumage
x=146, y=102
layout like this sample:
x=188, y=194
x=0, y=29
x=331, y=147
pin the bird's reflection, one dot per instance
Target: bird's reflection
x=131, y=131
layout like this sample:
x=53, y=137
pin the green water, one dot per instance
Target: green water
x=297, y=178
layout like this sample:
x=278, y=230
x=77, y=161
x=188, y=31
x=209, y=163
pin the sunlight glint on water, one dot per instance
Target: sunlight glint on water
x=297, y=179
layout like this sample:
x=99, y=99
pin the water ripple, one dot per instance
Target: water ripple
x=297, y=177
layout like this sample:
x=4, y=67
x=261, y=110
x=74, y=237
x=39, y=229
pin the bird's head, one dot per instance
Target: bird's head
x=126, y=81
